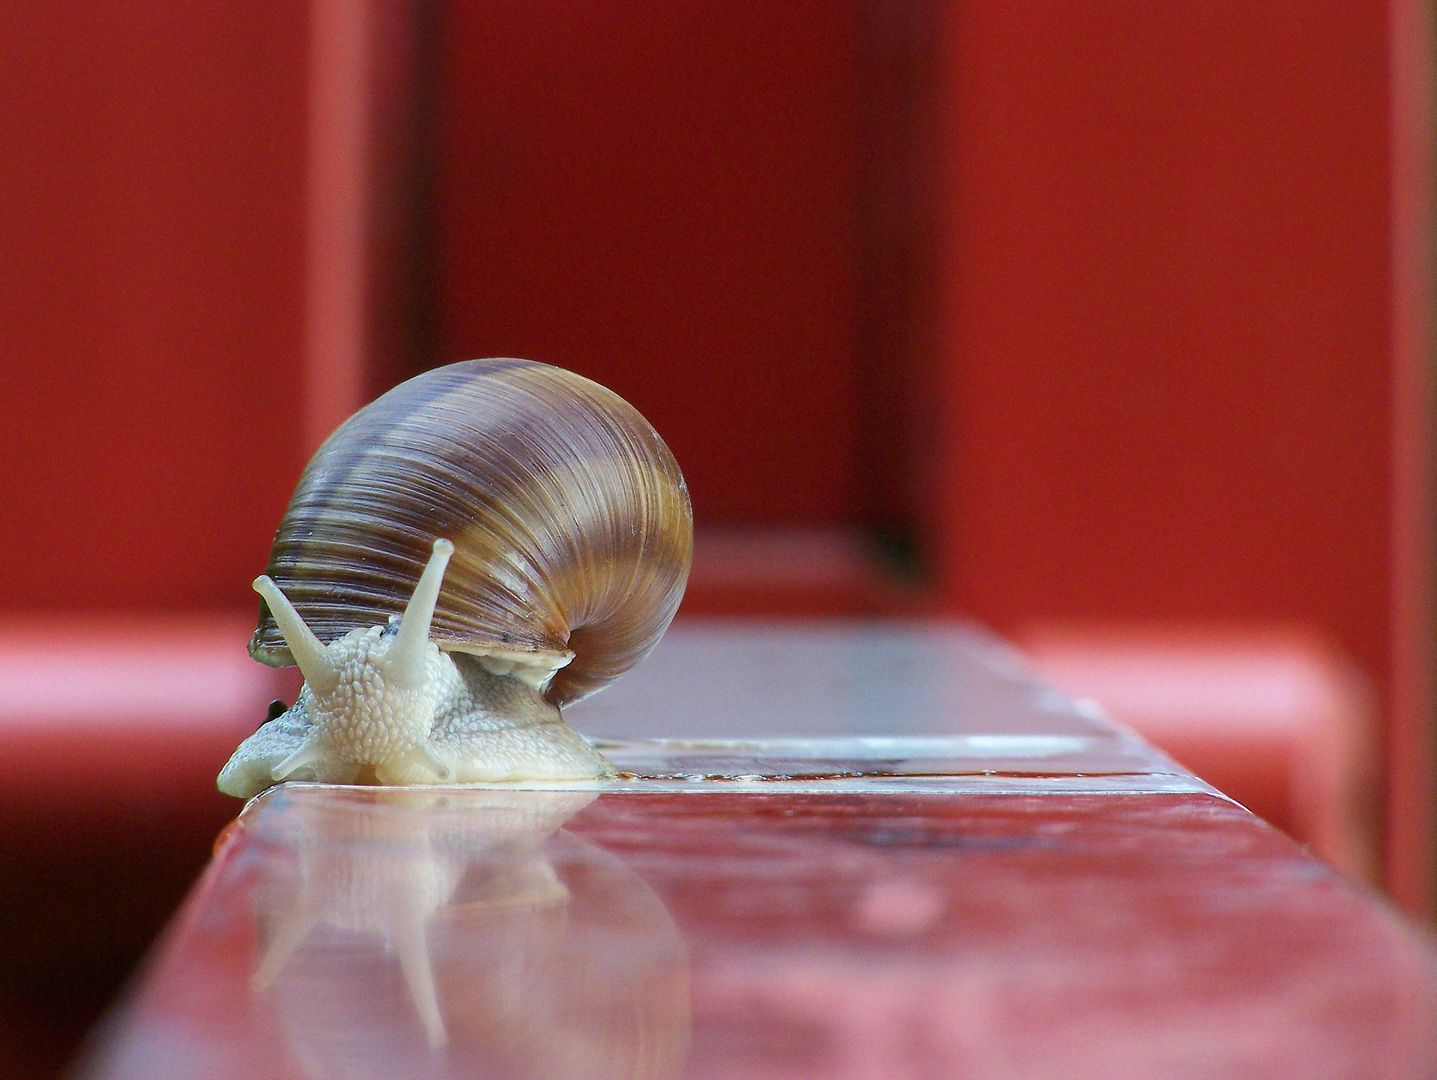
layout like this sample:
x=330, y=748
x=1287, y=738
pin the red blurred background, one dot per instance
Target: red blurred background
x=1108, y=326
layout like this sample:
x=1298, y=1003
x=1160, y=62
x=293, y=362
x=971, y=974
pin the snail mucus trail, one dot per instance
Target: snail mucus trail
x=483, y=545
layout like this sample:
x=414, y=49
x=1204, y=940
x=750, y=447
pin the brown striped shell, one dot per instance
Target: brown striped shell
x=569, y=516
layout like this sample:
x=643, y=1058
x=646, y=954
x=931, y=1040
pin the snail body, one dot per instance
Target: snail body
x=471, y=552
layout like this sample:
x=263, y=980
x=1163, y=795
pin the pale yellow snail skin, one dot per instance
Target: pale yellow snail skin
x=476, y=549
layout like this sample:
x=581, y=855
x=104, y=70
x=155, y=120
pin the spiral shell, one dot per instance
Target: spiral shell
x=571, y=522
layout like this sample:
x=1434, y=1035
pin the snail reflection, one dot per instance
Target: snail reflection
x=416, y=932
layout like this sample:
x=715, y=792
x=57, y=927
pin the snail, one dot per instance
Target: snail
x=466, y=555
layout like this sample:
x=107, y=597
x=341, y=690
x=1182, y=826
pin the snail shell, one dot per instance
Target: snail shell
x=571, y=536
x=570, y=520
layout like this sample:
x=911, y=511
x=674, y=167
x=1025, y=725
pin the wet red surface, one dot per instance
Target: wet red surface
x=344, y=932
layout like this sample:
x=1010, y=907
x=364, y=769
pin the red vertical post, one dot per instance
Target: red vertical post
x=1410, y=747
x=337, y=202
x=1183, y=334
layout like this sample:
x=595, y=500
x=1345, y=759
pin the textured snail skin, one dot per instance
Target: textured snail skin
x=431, y=661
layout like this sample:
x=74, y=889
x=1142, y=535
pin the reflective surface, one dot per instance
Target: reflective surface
x=904, y=706
x=737, y=679
x=368, y=933
x=516, y=947
x=1028, y=893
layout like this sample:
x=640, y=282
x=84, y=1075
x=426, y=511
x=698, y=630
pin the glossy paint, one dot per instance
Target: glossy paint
x=344, y=932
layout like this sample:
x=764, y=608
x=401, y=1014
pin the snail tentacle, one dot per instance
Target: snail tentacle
x=305, y=756
x=308, y=651
x=404, y=663
x=424, y=757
